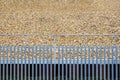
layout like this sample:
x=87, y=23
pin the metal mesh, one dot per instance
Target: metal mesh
x=60, y=61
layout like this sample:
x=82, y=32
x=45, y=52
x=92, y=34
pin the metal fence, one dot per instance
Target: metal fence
x=59, y=61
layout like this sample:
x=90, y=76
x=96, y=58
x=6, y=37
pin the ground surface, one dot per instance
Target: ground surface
x=59, y=17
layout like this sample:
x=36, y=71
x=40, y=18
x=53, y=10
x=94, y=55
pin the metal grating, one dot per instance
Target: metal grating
x=60, y=62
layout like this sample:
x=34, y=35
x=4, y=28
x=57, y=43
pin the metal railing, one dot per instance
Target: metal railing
x=59, y=61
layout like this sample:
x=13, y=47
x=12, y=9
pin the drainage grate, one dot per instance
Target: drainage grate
x=60, y=62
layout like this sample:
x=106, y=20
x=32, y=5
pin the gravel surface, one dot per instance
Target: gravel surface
x=59, y=17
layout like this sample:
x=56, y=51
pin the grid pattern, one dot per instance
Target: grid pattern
x=60, y=62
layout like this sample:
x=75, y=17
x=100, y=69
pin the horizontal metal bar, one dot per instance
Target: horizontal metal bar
x=110, y=61
x=60, y=47
x=59, y=34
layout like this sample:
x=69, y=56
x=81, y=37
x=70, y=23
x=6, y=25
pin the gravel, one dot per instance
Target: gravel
x=59, y=17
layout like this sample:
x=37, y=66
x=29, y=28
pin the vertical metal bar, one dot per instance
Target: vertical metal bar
x=116, y=62
x=22, y=62
x=66, y=63
x=14, y=63
x=85, y=54
x=58, y=62
x=77, y=64
x=42, y=73
x=89, y=62
x=100, y=62
x=44, y=54
x=54, y=57
x=108, y=63
x=112, y=64
x=2, y=57
x=0, y=61
x=62, y=63
x=114, y=53
x=25, y=60
x=29, y=62
x=92, y=63
x=81, y=63
x=3, y=63
x=32, y=62
x=104, y=62
x=18, y=63
x=25, y=49
x=10, y=62
x=85, y=60
x=36, y=49
x=47, y=62
x=97, y=62
x=7, y=62
x=51, y=63
x=1, y=54
x=40, y=63
x=43, y=62
x=73, y=54
x=70, y=64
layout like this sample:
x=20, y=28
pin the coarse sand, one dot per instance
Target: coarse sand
x=59, y=17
